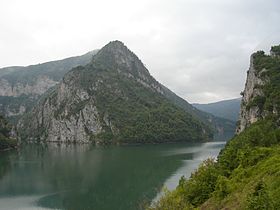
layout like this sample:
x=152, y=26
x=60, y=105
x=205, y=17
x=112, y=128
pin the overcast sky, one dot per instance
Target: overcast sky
x=198, y=48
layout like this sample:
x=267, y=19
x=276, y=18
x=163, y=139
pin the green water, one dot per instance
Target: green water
x=83, y=177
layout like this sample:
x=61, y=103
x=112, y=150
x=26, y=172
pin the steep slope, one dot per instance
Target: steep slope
x=261, y=95
x=227, y=109
x=246, y=174
x=20, y=87
x=7, y=140
x=114, y=99
x=223, y=129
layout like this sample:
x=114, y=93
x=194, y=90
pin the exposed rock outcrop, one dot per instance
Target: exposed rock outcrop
x=260, y=96
x=21, y=87
x=39, y=86
x=249, y=115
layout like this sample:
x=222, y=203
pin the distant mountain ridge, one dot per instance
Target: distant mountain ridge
x=20, y=87
x=227, y=109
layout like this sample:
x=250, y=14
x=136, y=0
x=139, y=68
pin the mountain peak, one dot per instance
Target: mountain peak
x=115, y=44
x=116, y=54
x=117, y=49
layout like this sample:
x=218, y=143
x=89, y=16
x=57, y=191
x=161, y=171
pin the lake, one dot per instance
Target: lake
x=80, y=177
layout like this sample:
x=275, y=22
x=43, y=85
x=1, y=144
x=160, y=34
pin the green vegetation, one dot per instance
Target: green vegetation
x=269, y=69
x=258, y=101
x=246, y=174
x=54, y=70
x=142, y=115
x=227, y=109
x=221, y=127
x=248, y=160
x=104, y=60
x=137, y=113
x=276, y=50
x=124, y=100
x=6, y=142
x=13, y=105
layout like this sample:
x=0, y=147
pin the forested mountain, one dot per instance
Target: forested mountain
x=113, y=99
x=227, y=109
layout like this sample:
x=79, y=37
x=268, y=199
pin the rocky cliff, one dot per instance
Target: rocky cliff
x=20, y=87
x=259, y=98
x=38, y=87
x=113, y=99
x=250, y=114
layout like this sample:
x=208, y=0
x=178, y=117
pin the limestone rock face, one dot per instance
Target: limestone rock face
x=21, y=87
x=68, y=127
x=40, y=86
x=249, y=115
x=16, y=98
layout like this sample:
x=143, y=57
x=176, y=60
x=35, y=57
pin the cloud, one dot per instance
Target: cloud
x=198, y=48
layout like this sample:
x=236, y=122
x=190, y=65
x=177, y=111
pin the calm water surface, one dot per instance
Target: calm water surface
x=79, y=177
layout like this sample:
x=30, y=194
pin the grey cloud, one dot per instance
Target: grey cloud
x=198, y=48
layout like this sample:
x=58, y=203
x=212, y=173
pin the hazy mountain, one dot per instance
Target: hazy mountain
x=228, y=109
x=20, y=87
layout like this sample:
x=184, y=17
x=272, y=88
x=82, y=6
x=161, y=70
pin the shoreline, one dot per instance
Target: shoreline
x=114, y=144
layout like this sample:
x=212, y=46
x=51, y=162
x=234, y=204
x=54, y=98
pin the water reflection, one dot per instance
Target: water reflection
x=86, y=177
x=198, y=154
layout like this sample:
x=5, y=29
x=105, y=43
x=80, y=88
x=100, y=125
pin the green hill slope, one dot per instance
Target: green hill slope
x=246, y=174
x=228, y=109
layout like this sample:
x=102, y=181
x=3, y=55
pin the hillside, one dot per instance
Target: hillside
x=6, y=135
x=113, y=99
x=223, y=129
x=246, y=173
x=21, y=87
x=227, y=109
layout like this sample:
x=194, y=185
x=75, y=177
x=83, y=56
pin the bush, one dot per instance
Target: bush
x=259, y=199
